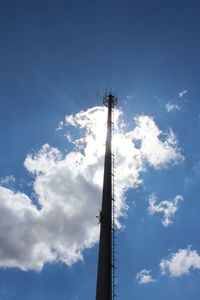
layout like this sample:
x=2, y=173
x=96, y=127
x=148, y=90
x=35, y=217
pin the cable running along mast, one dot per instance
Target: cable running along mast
x=106, y=276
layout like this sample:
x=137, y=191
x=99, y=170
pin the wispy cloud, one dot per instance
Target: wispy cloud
x=7, y=180
x=181, y=262
x=188, y=181
x=170, y=107
x=60, y=126
x=197, y=168
x=144, y=277
x=165, y=207
x=67, y=184
x=182, y=93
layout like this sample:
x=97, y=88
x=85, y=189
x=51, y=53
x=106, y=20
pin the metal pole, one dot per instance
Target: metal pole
x=105, y=263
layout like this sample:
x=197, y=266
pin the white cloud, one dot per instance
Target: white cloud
x=144, y=277
x=60, y=126
x=21, y=243
x=69, y=188
x=7, y=180
x=180, y=262
x=158, y=148
x=170, y=107
x=183, y=93
x=167, y=208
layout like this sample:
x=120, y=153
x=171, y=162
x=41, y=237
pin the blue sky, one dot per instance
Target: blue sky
x=55, y=56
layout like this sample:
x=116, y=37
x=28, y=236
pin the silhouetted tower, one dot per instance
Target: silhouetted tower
x=106, y=263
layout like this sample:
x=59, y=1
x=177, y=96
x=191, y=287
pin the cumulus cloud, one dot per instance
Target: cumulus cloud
x=183, y=93
x=68, y=188
x=158, y=148
x=165, y=207
x=181, y=262
x=144, y=277
x=170, y=107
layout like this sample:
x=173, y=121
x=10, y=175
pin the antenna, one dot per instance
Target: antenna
x=106, y=262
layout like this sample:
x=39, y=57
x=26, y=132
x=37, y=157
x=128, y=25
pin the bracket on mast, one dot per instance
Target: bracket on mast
x=100, y=216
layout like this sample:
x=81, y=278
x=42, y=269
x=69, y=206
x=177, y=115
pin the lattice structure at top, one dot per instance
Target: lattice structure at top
x=110, y=98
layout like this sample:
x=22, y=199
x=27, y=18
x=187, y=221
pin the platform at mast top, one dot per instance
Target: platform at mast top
x=111, y=98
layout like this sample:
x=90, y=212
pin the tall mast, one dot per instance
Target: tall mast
x=105, y=279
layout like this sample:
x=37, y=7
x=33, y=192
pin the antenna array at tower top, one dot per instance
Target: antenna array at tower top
x=111, y=98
